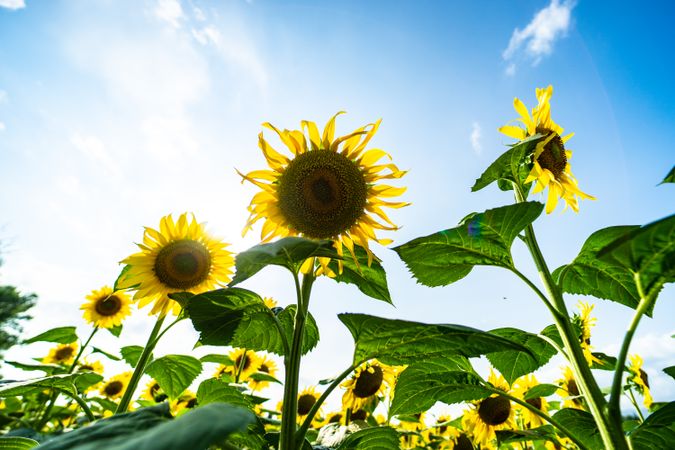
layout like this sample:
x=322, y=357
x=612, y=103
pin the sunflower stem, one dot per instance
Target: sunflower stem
x=287, y=439
x=646, y=302
x=631, y=397
x=140, y=366
x=82, y=404
x=611, y=433
x=300, y=435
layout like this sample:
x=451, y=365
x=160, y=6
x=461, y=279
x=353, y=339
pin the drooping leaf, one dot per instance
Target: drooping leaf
x=421, y=385
x=603, y=361
x=510, y=166
x=116, y=330
x=375, y=438
x=582, y=426
x=106, y=354
x=120, y=278
x=49, y=369
x=218, y=359
x=670, y=178
x=131, y=354
x=398, y=342
x=289, y=252
x=670, y=371
x=657, y=432
x=61, y=335
x=174, y=373
x=371, y=280
x=514, y=364
x=540, y=390
x=67, y=383
x=481, y=239
x=262, y=376
x=17, y=443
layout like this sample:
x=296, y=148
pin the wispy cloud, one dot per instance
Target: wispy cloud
x=93, y=148
x=475, y=138
x=12, y=4
x=170, y=11
x=2, y=126
x=540, y=35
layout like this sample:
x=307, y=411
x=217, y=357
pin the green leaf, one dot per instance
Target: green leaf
x=670, y=178
x=131, y=354
x=376, y=438
x=544, y=433
x=49, y=369
x=174, y=373
x=604, y=362
x=262, y=376
x=120, y=278
x=181, y=297
x=17, y=443
x=106, y=354
x=289, y=252
x=218, y=359
x=670, y=371
x=371, y=280
x=540, y=390
x=213, y=391
x=510, y=166
x=398, y=342
x=657, y=431
x=116, y=330
x=582, y=426
x=61, y=335
x=421, y=385
x=514, y=364
x=67, y=383
x=287, y=318
x=481, y=239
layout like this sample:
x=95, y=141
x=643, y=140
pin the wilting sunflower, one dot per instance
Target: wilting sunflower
x=180, y=257
x=490, y=414
x=306, y=400
x=638, y=377
x=266, y=366
x=550, y=162
x=105, y=308
x=244, y=362
x=115, y=386
x=520, y=388
x=585, y=322
x=327, y=189
x=569, y=391
x=63, y=354
x=154, y=392
x=369, y=381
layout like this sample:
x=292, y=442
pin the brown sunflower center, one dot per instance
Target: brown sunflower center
x=645, y=378
x=242, y=361
x=183, y=264
x=85, y=368
x=335, y=418
x=572, y=388
x=264, y=368
x=305, y=403
x=322, y=193
x=494, y=410
x=368, y=382
x=463, y=443
x=553, y=157
x=64, y=353
x=361, y=414
x=108, y=306
x=113, y=388
x=536, y=402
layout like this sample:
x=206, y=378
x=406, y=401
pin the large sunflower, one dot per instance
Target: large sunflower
x=63, y=354
x=180, y=257
x=550, y=163
x=490, y=414
x=105, y=308
x=520, y=388
x=370, y=381
x=327, y=189
x=639, y=378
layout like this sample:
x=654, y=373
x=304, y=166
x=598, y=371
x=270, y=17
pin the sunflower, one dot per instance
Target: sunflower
x=63, y=354
x=105, y=308
x=369, y=381
x=187, y=400
x=115, y=387
x=90, y=366
x=327, y=189
x=244, y=363
x=585, y=322
x=306, y=400
x=270, y=302
x=569, y=390
x=520, y=388
x=154, y=392
x=550, y=167
x=266, y=366
x=638, y=377
x=490, y=414
x=461, y=441
x=180, y=257
x=412, y=436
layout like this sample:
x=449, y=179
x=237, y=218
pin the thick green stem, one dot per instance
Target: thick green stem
x=292, y=364
x=612, y=436
x=82, y=404
x=646, y=302
x=300, y=435
x=140, y=366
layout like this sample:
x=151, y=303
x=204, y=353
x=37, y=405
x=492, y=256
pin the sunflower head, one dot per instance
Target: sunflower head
x=244, y=363
x=584, y=321
x=154, y=392
x=115, y=387
x=369, y=381
x=179, y=257
x=520, y=387
x=638, y=378
x=550, y=161
x=306, y=400
x=328, y=188
x=63, y=354
x=105, y=308
x=569, y=390
x=490, y=414
x=266, y=366
x=187, y=400
x=90, y=366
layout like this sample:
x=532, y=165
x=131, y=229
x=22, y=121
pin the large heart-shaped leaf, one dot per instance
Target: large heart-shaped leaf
x=370, y=279
x=514, y=364
x=174, y=373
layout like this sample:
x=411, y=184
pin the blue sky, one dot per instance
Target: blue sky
x=113, y=114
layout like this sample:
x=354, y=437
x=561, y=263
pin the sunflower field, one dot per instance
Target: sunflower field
x=319, y=204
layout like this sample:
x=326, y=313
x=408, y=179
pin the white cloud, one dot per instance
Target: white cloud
x=539, y=36
x=4, y=98
x=168, y=137
x=12, y=4
x=511, y=70
x=2, y=126
x=475, y=138
x=170, y=11
x=93, y=148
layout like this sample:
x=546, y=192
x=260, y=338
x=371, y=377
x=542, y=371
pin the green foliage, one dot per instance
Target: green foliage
x=49, y=369
x=376, y=438
x=399, y=342
x=61, y=335
x=120, y=279
x=17, y=443
x=514, y=364
x=371, y=280
x=13, y=308
x=670, y=371
x=214, y=391
x=174, y=373
x=582, y=425
x=544, y=433
x=511, y=166
x=670, y=178
x=480, y=239
x=311, y=338
x=289, y=252
x=116, y=330
x=67, y=383
x=540, y=390
x=657, y=432
x=131, y=354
